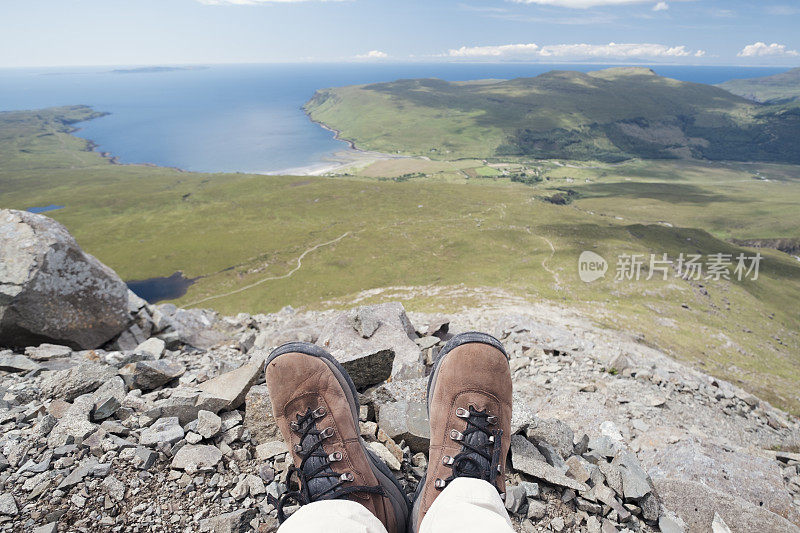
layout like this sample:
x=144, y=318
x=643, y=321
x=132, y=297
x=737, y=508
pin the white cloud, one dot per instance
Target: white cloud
x=700, y=53
x=373, y=54
x=760, y=49
x=661, y=6
x=489, y=51
x=585, y=4
x=616, y=50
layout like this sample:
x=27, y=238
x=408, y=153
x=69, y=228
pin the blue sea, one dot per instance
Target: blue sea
x=245, y=118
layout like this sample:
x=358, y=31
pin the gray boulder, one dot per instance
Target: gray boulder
x=366, y=338
x=148, y=375
x=696, y=505
x=51, y=291
x=72, y=382
x=406, y=421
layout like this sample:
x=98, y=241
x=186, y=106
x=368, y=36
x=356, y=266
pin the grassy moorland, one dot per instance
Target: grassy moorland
x=451, y=234
x=609, y=115
x=783, y=87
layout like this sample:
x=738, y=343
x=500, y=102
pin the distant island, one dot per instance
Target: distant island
x=609, y=115
x=143, y=70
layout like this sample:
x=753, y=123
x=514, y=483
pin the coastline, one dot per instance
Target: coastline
x=336, y=163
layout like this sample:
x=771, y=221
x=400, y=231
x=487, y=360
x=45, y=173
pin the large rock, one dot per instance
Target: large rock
x=696, y=504
x=231, y=387
x=406, y=421
x=51, y=291
x=755, y=479
x=258, y=417
x=364, y=339
x=72, y=382
x=149, y=375
x=235, y=522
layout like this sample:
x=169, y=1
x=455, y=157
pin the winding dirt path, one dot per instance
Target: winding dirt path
x=271, y=278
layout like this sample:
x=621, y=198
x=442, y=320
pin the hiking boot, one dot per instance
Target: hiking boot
x=315, y=405
x=469, y=407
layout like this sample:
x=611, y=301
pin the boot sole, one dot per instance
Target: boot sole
x=455, y=342
x=391, y=486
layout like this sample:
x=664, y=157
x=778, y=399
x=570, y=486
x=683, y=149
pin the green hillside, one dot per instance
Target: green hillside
x=780, y=88
x=609, y=115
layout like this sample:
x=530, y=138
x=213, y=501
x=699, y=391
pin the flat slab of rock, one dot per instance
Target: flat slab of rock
x=149, y=375
x=194, y=458
x=72, y=382
x=696, y=504
x=522, y=457
x=166, y=429
x=364, y=337
x=235, y=522
x=232, y=387
x=45, y=352
x=51, y=291
x=14, y=362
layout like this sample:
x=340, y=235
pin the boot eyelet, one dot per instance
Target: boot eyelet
x=295, y=426
x=298, y=448
x=334, y=457
x=491, y=419
x=347, y=476
x=440, y=483
x=462, y=413
x=319, y=412
x=327, y=432
x=447, y=460
x=456, y=435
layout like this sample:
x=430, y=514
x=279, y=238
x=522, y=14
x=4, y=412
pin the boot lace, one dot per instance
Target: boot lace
x=480, y=452
x=316, y=480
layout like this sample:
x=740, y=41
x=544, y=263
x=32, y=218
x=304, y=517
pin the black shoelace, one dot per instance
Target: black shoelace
x=480, y=453
x=315, y=478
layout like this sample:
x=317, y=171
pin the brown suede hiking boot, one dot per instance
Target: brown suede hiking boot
x=316, y=407
x=469, y=406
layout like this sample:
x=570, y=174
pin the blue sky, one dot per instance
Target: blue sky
x=147, y=32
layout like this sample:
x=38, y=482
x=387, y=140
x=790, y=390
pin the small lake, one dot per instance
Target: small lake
x=44, y=209
x=158, y=289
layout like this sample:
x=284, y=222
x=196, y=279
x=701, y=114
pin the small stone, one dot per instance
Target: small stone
x=209, y=425
x=144, y=458
x=105, y=408
x=557, y=524
x=384, y=454
x=166, y=429
x=268, y=450
x=576, y=469
x=52, y=527
x=149, y=375
x=12, y=362
x=531, y=489
x=152, y=348
x=718, y=525
x=536, y=509
x=195, y=458
x=669, y=523
x=516, y=500
x=235, y=522
x=8, y=506
x=114, y=488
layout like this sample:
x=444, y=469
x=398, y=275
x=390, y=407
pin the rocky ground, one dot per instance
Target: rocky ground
x=168, y=428
x=123, y=416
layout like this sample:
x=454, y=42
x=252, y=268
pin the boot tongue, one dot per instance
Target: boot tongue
x=473, y=464
x=316, y=485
